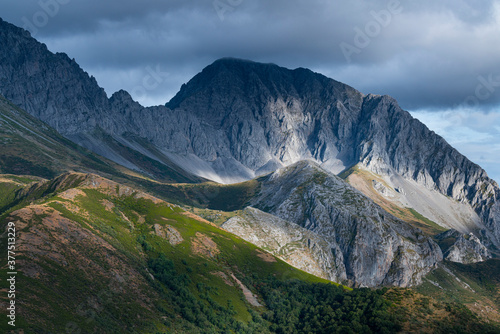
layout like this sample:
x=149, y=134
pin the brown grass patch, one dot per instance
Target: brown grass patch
x=224, y=277
x=265, y=256
x=204, y=246
x=71, y=194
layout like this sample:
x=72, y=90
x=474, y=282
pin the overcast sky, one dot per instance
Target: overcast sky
x=439, y=59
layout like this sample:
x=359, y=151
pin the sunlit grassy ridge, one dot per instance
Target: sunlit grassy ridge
x=88, y=223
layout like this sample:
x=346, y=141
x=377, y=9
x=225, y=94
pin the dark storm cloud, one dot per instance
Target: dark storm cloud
x=427, y=54
x=70, y=16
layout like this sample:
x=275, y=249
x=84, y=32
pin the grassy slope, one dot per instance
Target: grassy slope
x=53, y=290
x=475, y=285
x=364, y=181
x=30, y=147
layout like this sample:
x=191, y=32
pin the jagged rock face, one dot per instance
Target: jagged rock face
x=464, y=248
x=238, y=119
x=298, y=246
x=50, y=86
x=411, y=150
x=271, y=116
x=369, y=246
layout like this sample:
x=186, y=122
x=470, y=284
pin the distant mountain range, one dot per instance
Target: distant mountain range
x=346, y=186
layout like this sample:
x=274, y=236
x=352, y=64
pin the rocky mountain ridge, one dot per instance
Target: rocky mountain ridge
x=239, y=119
x=369, y=246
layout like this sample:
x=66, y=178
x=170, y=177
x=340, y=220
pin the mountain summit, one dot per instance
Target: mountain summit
x=251, y=80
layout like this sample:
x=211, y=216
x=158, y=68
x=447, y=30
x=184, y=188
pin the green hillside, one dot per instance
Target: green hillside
x=97, y=256
x=101, y=255
x=31, y=147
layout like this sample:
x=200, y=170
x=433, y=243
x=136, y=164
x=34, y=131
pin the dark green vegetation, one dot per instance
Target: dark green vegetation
x=215, y=196
x=299, y=307
x=475, y=285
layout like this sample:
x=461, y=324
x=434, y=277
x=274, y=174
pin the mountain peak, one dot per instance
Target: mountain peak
x=237, y=61
x=122, y=95
x=51, y=87
x=249, y=81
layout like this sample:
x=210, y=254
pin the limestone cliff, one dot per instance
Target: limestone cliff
x=353, y=240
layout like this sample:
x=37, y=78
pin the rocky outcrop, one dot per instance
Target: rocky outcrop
x=169, y=233
x=462, y=248
x=50, y=86
x=298, y=246
x=369, y=246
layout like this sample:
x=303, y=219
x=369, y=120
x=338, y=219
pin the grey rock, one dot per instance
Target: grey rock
x=464, y=248
x=169, y=233
x=369, y=246
x=294, y=244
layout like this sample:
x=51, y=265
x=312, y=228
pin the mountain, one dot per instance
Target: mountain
x=238, y=119
x=118, y=229
x=353, y=241
x=370, y=247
